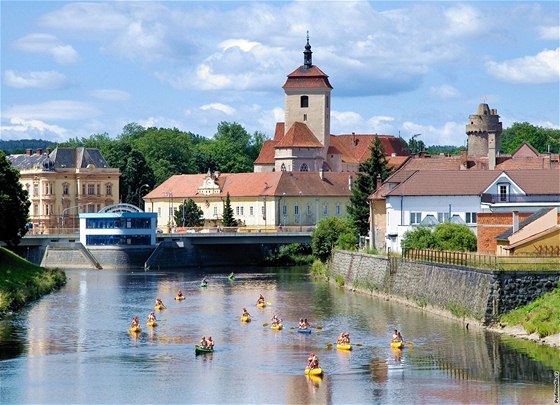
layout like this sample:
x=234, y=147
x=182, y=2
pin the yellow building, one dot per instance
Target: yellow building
x=63, y=183
x=262, y=201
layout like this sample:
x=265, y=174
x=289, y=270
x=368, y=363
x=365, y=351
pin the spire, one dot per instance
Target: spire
x=307, y=63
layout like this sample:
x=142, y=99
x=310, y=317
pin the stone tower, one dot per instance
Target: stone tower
x=483, y=134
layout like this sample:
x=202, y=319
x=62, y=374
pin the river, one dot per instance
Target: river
x=73, y=346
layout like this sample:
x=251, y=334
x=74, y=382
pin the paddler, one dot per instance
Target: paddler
x=246, y=313
x=275, y=320
x=312, y=361
x=179, y=294
x=203, y=342
x=260, y=301
x=159, y=302
x=210, y=343
x=134, y=322
x=152, y=317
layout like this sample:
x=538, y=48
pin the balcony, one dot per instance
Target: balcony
x=504, y=199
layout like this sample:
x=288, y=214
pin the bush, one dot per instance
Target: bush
x=445, y=236
x=332, y=232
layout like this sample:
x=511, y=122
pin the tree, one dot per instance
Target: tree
x=540, y=138
x=14, y=205
x=420, y=237
x=189, y=214
x=446, y=236
x=227, y=217
x=331, y=232
x=372, y=173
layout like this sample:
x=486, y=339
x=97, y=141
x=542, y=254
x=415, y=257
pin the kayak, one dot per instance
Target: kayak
x=346, y=346
x=203, y=285
x=261, y=305
x=135, y=329
x=306, y=330
x=314, y=371
x=397, y=345
x=231, y=277
x=201, y=350
x=245, y=319
x=181, y=298
x=277, y=327
x=160, y=307
x=151, y=323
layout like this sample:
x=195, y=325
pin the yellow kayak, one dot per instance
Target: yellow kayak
x=135, y=329
x=181, y=298
x=397, y=345
x=151, y=323
x=314, y=371
x=261, y=305
x=159, y=307
x=245, y=319
x=346, y=346
x=277, y=327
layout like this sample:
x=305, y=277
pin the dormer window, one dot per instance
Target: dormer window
x=304, y=101
x=283, y=167
x=304, y=168
x=503, y=192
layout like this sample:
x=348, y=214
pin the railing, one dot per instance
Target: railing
x=489, y=262
x=509, y=198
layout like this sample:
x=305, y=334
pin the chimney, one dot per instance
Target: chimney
x=464, y=160
x=29, y=152
x=515, y=221
x=39, y=151
x=322, y=173
x=377, y=182
x=350, y=183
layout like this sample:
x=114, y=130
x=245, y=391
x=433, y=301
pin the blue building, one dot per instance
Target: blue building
x=118, y=225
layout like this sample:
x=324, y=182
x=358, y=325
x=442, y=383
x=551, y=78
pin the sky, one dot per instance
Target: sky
x=73, y=69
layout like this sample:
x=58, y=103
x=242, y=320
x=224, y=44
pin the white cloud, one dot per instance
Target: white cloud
x=551, y=32
x=464, y=20
x=243, y=44
x=47, y=44
x=51, y=110
x=381, y=124
x=85, y=16
x=450, y=133
x=110, y=94
x=226, y=109
x=444, y=92
x=41, y=80
x=18, y=128
x=541, y=68
x=160, y=122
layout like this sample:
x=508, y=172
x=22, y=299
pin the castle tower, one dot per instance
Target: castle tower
x=307, y=97
x=483, y=134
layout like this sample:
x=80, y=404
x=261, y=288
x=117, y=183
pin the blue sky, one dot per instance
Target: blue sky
x=72, y=69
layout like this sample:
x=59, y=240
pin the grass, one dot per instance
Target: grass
x=541, y=316
x=318, y=268
x=22, y=281
x=339, y=280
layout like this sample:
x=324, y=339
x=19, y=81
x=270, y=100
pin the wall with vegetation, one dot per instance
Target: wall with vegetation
x=462, y=292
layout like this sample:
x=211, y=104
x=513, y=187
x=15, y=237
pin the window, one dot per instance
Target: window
x=91, y=189
x=304, y=117
x=337, y=209
x=83, y=189
x=241, y=210
x=443, y=217
x=325, y=208
x=159, y=212
x=237, y=211
x=415, y=218
x=251, y=211
x=304, y=168
x=170, y=212
x=99, y=189
x=284, y=210
x=470, y=217
x=65, y=189
x=35, y=189
x=503, y=190
x=263, y=212
x=283, y=167
x=304, y=101
x=91, y=208
x=296, y=209
x=309, y=209
x=109, y=189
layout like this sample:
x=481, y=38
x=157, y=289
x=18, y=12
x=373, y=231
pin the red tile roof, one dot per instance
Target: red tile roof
x=257, y=185
x=299, y=136
x=307, y=78
x=266, y=155
x=356, y=147
x=537, y=181
x=279, y=131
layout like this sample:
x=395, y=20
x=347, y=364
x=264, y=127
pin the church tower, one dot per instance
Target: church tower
x=483, y=134
x=307, y=95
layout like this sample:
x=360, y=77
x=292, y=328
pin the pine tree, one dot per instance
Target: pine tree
x=189, y=214
x=375, y=167
x=227, y=217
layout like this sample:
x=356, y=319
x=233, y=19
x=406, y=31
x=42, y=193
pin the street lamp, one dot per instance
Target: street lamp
x=65, y=210
x=299, y=213
x=139, y=192
x=170, y=211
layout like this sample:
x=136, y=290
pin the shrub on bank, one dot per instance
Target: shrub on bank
x=22, y=281
x=541, y=316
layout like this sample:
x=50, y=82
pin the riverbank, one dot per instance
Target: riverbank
x=22, y=282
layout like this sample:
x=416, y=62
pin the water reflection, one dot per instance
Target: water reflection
x=73, y=346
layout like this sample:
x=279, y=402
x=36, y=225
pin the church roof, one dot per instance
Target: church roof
x=355, y=148
x=312, y=77
x=299, y=136
x=266, y=155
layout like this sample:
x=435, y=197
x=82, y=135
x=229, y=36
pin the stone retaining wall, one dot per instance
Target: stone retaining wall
x=458, y=291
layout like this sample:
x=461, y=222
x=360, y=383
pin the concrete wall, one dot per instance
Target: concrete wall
x=451, y=290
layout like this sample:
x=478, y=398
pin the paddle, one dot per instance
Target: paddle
x=410, y=343
x=268, y=303
x=317, y=327
x=265, y=324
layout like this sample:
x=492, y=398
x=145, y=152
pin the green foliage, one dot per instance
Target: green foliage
x=318, y=268
x=14, y=204
x=331, y=232
x=339, y=280
x=294, y=254
x=21, y=281
x=189, y=214
x=540, y=138
x=227, y=217
x=20, y=145
x=446, y=236
x=365, y=184
x=541, y=316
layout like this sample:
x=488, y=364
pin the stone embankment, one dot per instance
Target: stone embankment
x=472, y=295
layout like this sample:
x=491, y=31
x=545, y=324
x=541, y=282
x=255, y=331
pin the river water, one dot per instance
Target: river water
x=73, y=346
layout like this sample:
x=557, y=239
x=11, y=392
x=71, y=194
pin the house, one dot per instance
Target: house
x=263, y=201
x=303, y=142
x=430, y=197
x=62, y=183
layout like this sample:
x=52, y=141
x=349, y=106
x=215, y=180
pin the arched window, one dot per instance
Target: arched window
x=283, y=167
x=304, y=168
x=304, y=101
